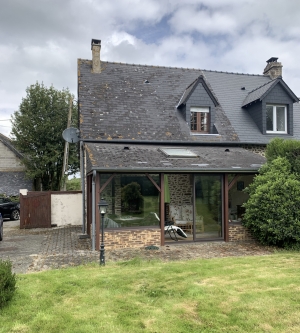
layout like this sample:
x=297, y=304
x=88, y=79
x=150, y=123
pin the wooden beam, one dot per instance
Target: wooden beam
x=97, y=215
x=225, y=217
x=89, y=204
x=234, y=180
x=153, y=182
x=106, y=183
x=162, y=209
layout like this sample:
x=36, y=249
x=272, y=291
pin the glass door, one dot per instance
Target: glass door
x=208, y=207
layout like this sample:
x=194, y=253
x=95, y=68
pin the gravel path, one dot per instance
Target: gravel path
x=33, y=250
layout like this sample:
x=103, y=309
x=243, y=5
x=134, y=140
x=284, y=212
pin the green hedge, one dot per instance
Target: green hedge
x=273, y=209
x=7, y=282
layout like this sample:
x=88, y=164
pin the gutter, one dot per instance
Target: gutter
x=176, y=170
x=179, y=143
x=82, y=186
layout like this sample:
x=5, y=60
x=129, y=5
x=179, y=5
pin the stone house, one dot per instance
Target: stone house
x=175, y=146
x=12, y=172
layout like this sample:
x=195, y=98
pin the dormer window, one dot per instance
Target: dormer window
x=276, y=119
x=199, y=119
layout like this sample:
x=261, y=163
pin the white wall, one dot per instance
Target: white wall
x=66, y=209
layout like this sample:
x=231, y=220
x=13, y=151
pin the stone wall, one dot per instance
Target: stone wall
x=257, y=149
x=237, y=232
x=181, y=189
x=132, y=238
x=9, y=161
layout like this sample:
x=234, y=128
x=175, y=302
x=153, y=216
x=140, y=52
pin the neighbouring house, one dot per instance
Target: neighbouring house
x=12, y=172
x=175, y=145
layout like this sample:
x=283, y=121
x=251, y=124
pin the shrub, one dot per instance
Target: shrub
x=73, y=184
x=272, y=211
x=290, y=149
x=7, y=282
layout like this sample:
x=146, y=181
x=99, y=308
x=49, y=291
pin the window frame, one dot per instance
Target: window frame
x=275, y=119
x=199, y=112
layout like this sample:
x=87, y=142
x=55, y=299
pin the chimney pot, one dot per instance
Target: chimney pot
x=96, y=47
x=273, y=68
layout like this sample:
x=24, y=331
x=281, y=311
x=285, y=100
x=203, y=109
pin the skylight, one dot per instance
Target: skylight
x=178, y=152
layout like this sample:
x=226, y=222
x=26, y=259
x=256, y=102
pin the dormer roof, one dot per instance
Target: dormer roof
x=260, y=92
x=190, y=89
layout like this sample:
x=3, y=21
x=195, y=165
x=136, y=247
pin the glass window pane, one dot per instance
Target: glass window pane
x=194, y=121
x=208, y=206
x=237, y=197
x=270, y=120
x=280, y=118
x=204, y=122
x=132, y=199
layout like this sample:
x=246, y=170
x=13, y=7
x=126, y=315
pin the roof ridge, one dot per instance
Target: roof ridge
x=235, y=73
x=174, y=67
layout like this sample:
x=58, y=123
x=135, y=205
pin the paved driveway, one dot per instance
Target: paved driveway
x=33, y=250
x=40, y=249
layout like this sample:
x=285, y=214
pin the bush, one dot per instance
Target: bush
x=7, y=282
x=272, y=211
x=73, y=184
x=290, y=149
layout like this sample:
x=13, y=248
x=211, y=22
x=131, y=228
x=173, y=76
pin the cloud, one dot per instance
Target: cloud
x=40, y=40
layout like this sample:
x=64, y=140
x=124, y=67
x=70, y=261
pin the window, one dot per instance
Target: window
x=199, y=119
x=276, y=119
x=178, y=152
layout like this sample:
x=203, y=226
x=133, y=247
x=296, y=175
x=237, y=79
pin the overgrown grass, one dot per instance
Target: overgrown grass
x=249, y=294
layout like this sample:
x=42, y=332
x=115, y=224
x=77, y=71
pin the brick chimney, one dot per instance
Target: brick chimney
x=96, y=47
x=273, y=68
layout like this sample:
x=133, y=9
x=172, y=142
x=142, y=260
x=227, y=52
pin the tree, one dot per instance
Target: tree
x=273, y=209
x=132, y=198
x=37, y=132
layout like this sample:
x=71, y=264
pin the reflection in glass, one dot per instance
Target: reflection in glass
x=132, y=199
x=236, y=197
x=280, y=118
x=269, y=118
x=208, y=206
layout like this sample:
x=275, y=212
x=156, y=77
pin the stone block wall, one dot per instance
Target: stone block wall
x=9, y=161
x=257, y=149
x=237, y=232
x=181, y=189
x=132, y=238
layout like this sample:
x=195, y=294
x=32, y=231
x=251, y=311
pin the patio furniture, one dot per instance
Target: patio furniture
x=182, y=215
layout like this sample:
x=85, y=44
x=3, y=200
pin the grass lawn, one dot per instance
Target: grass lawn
x=248, y=294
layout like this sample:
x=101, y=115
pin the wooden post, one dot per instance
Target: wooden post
x=97, y=211
x=89, y=204
x=162, y=208
x=226, y=226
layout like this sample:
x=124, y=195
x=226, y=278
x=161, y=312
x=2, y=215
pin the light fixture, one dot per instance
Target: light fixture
x=102, y=205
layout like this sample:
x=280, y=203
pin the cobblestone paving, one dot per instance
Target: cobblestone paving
x=62, y=247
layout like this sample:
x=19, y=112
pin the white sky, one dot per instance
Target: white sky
x=40, y=40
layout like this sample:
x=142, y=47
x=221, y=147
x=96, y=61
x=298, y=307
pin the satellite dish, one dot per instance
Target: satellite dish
x=71, y=135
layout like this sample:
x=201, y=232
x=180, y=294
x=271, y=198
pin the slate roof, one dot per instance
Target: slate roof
x=142, y=158
x=192, y=87
x=259, y=92
x=12, y=182
x=118, y=105
x=263, y=90
x=228, y=89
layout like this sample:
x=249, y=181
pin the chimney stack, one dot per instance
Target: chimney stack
x=273, y=68
x=96, y=47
